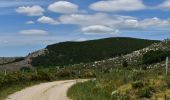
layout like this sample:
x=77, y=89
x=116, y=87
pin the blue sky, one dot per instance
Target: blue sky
x=29, y=25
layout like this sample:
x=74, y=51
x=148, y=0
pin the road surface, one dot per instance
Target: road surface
x=45, y=91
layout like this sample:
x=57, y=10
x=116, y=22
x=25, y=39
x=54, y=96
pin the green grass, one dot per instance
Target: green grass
x=5, y=91
x=124, y=84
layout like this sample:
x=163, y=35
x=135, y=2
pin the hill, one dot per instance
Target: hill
x=67, y=53
x=6, y=60
x=143, y=79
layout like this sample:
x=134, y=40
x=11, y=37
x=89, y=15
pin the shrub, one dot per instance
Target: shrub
x=137, y=84
x=137, y=75
x=64, y=73
x=145, y=93
x=42, y=75
x=89, y=74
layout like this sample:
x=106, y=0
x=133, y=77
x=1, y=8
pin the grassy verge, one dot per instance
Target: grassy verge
x=124, y=84
x=5, y=91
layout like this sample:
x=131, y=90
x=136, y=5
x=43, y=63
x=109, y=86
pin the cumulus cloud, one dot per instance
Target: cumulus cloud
x=33, y=32
x=30, y=22
x=98, y=29
x=118, y=5
x=31, y=10
x=63, y=7
x=47, y=20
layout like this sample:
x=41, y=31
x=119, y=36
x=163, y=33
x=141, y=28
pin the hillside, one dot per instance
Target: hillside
x=67, y=53
x=134, y=59
x=5, y=60
x=143, y=79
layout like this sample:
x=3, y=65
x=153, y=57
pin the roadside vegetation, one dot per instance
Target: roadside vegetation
x=11, y=82
x=124, y=84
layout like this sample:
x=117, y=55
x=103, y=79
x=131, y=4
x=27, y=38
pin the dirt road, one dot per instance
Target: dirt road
x=45, y=91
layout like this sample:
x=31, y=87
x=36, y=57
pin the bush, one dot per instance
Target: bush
x=145, y=93
x=64, y=73
x=42, y=75
x=88, y=74
x=137, y=84
x=136, y=76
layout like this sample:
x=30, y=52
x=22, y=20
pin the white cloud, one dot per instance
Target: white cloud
x=98, y=19
x=165, y=5
x=155, y=22
x=116, y=22
x=31, y=11
x=30, y=22
x=97, y=29
x=118, y=5
x=33, y=32
x=87, y=19
x=47, y=20
x=63, y=7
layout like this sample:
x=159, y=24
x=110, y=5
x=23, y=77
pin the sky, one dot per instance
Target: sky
x=30, y=25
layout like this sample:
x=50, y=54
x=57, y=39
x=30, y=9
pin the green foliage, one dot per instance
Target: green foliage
x=155, y=56
x=64, y=73
x=76, y=52
x=88, y=74
x=123, y=84
x=146, y=92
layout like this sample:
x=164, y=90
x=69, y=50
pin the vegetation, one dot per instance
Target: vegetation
x=67, y=53
x=11, y=82
x=155, y=56
x=124, y=84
